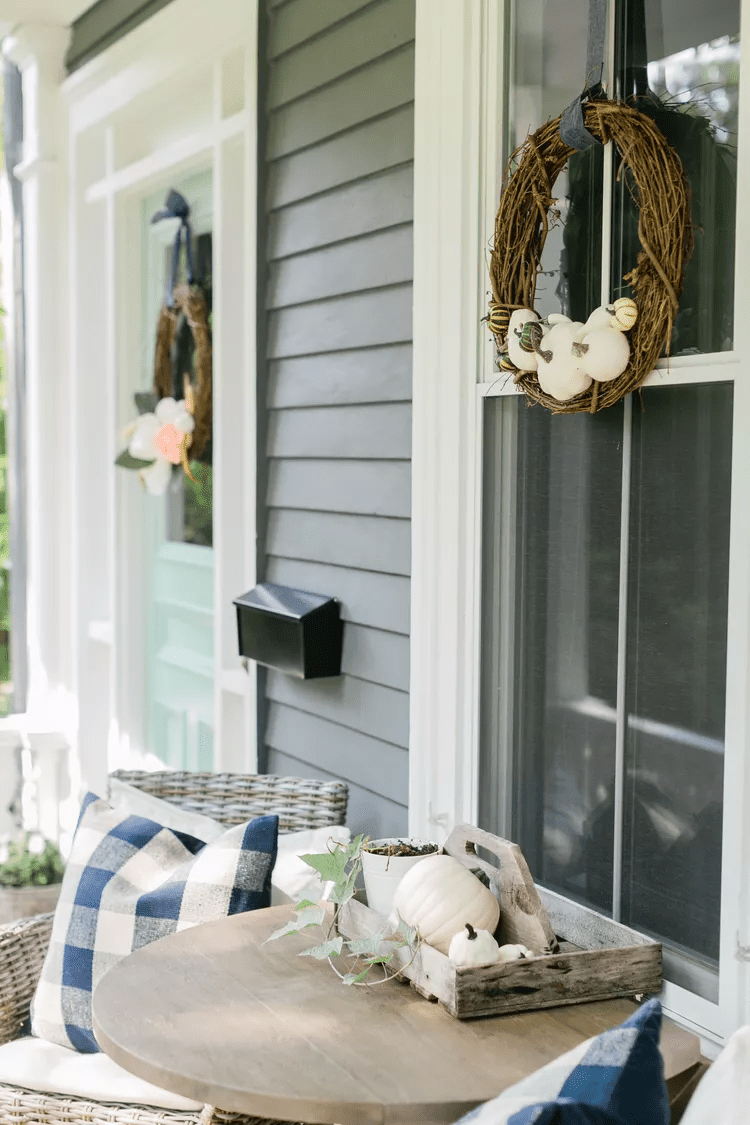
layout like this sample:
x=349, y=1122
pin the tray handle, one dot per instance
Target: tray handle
x=523, y=919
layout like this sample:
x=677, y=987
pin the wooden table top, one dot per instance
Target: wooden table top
x=215, y=1015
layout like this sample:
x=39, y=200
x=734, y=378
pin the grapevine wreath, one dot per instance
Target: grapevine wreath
x=174, y=423
x=656, y=180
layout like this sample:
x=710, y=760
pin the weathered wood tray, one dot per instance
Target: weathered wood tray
x=581, y=955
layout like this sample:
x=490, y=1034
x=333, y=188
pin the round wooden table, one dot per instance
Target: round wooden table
x=214, y=1014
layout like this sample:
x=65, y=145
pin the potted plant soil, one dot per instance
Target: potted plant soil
x=384, y=864
x=31, y=870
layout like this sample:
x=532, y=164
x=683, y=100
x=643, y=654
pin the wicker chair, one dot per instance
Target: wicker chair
x=229, y=798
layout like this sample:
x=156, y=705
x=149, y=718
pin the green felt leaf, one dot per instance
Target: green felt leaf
x=379, y=959
x=408, y=934
x=307, y=916
x=344, y=889
x=327, y=949
x=354, y=978
x=125, y=461
x=361, y=946
x=145, y=401
x=331, y=866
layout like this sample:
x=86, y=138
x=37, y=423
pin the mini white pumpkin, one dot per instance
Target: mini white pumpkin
x=523, y=357
x=439, y=896
x=605, y=354
x=513, y=953
x=626, y=313
x=559, y=371
x=473, y=947
x=603, y=317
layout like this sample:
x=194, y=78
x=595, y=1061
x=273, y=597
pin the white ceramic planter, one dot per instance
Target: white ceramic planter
x=383, y=873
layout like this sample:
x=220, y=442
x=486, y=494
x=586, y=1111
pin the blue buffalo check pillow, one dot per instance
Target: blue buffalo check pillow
x=616, y=1078
x=129, y=881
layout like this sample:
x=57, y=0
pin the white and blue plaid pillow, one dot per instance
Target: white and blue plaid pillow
x=129, y=881
x=616, y=1078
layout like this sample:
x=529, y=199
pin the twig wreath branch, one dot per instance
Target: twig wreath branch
x=190, y=300
x=661, y=192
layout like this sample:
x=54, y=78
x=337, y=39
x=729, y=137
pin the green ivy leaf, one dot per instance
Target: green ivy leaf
x=354, y=978
x=361, y=946
x=126, y=461
x=307, y=916
x=327, y=949
x=331, y=866
x=379, y=959
x=344, y=890
x=145, y=401
x=407, y=935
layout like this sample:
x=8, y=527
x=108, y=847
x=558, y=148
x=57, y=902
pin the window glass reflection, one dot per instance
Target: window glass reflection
x=679, y=63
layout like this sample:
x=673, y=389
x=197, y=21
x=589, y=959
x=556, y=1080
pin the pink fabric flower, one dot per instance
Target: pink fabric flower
x=168, y=441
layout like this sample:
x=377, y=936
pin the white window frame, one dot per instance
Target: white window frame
x=108, y=653
x=460, y=53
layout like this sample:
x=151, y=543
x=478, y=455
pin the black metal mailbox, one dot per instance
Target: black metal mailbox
x=291, y=630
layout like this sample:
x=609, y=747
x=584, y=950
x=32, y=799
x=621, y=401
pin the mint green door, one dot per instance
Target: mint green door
x=179, y=562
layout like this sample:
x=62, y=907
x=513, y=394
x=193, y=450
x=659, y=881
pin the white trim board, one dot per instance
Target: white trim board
x=458, y=102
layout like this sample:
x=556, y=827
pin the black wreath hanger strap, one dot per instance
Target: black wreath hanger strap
x=572, y=129
x=177, y=207
x=635, y=89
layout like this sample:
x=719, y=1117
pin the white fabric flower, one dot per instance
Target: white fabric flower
x=159, y=437
x=142, y=443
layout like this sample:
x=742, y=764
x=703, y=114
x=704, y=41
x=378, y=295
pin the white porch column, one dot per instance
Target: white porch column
x=39, y=51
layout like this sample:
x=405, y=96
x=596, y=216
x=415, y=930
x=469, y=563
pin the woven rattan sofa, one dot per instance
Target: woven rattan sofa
x=229, y=798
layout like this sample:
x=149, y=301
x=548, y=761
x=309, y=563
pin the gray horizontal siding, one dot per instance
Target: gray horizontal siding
x=364, y=150
x=369, y=812
x=347, y=212
x=359, y=320
x=382, y=430
x=380, y=767
x=381, y=374
x=337, y=484
x=371, y=488
x=371, y=262
x=372, y=709
x=300, y=20
x=367, y=598
x=373, y=32
x=368, y=93
x=361, y=542
x=381, y=658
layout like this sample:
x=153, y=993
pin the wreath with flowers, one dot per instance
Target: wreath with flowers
x=173, y=431
x=565, y=365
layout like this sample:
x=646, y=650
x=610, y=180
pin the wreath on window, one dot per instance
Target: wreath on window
x=174, y=423
x=565, y=365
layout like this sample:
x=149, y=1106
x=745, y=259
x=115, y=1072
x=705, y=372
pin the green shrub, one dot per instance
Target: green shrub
x=31, y=861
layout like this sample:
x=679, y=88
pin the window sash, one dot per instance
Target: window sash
x=707, y=1016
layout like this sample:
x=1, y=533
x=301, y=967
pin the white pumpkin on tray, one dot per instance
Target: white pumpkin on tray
x=439, y=896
